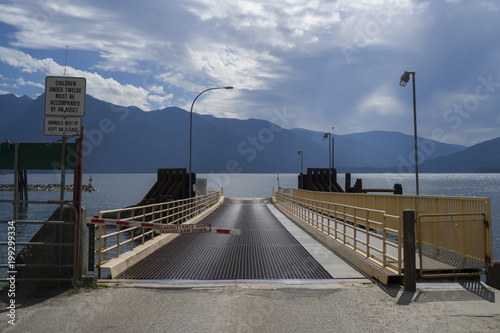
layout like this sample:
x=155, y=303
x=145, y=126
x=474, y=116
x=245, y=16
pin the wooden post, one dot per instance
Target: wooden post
x=410, y=271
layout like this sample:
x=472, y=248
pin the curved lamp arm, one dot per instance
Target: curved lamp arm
x=191, y=132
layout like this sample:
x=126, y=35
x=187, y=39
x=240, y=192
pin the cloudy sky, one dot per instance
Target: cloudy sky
x=324, y=63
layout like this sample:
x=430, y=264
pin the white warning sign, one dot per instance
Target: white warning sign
x=62, y=126
x=65, y=96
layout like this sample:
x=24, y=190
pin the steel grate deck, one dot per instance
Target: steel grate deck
x=264, y=250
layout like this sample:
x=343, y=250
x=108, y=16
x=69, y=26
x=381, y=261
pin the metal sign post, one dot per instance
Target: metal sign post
x=16, y=183
x=64, y=109
x=63, y=177
x=77, y=203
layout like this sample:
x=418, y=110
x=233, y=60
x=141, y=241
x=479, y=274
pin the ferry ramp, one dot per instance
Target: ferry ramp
x=270, y=247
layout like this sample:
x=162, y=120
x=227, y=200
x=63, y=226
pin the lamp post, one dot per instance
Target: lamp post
x=404, y=80
x=328, y=136
x=191, y=134
x=301, y=183
x=333, y=150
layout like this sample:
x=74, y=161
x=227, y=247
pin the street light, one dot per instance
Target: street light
x=328, y=136
x=404, y=80
x=191, y=133
x=333, y=149
x=301, y=153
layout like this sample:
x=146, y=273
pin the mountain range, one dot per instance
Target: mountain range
x=129, y=140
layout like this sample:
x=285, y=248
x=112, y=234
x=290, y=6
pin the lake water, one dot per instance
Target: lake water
x=121, y=190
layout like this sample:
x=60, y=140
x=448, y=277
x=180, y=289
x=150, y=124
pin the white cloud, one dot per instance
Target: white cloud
x=242, y=51
x=22, y=82
x=284, y=25
x=124, y=47
x=320, y=58
x=381, y=102
x=156, y=89
x=367, y=23
x=491, y=6
x=24, y=61
x=50, y=24
x=219, y=103
x=160, y=101
x=107, y=89
x=248, y=69
x=14, y=15
x=179, y=80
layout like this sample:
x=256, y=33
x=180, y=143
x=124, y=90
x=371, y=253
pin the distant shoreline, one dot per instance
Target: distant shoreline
x=47, y=188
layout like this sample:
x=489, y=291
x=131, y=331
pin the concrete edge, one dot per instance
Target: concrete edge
x=128, y=259
x=248, y=283
x=352, y=256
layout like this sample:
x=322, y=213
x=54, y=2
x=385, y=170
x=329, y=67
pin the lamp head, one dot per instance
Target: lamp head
x=325, y=136
x=228, y=87
x=404, y=79
x=299, y=152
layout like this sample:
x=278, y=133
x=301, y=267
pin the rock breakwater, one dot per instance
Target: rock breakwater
x=47, y=188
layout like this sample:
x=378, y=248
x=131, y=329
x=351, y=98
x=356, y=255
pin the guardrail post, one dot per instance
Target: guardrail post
x=410, y=273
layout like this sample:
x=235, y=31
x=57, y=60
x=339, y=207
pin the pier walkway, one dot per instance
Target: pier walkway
x=450, y=242
x=270, y=247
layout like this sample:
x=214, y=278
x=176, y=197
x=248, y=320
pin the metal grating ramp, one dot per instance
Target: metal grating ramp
x=264, y=250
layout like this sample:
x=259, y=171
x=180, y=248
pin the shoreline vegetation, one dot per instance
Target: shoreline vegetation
x=47, y=188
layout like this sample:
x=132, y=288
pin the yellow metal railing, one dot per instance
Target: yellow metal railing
x=368, y=231
x=109, y=238
x=447, y=227
x=461, y=238
x=394, y=204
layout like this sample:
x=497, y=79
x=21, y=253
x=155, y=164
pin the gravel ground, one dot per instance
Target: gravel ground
x=257, y=307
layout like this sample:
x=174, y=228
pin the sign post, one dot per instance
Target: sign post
x=64, y=109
